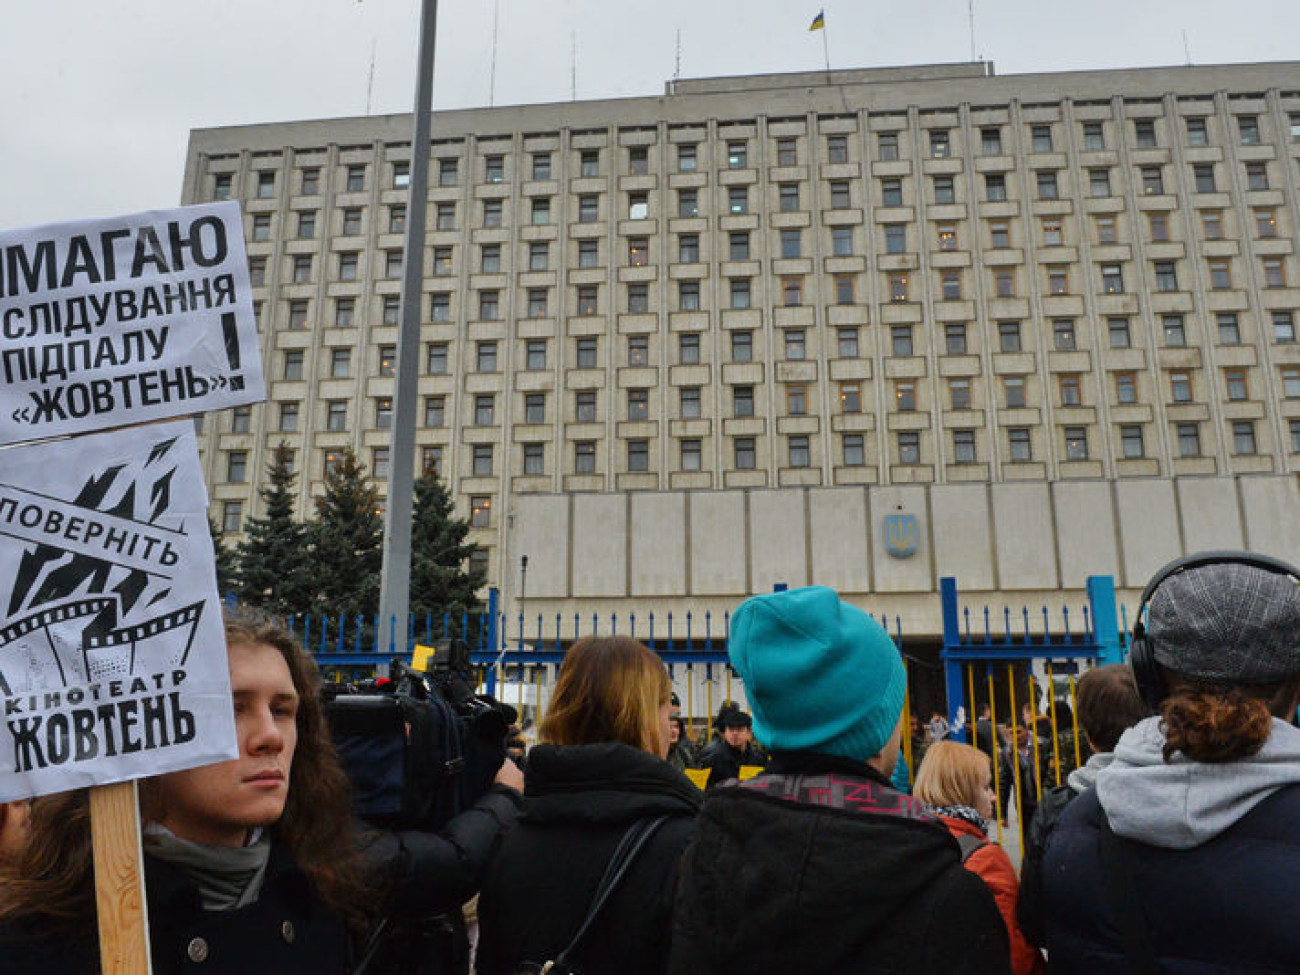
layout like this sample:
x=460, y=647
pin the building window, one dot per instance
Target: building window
x=1094, y=136
x=383, y=413
x=534, y=459
x=356, y=178
x=486, y=357
x=1189, y=439
x=1283, y=327
x=1105, y=225
x=795, y=344
x=847, y=342
x=537, y=302
x=481, y=460
x=431, y=460
x=891, y=192
x=1153, y=180
x=737, y=199
x=387, y=361
x=796, y=399
x=1256, y=176
x=222, y=186
x=1291, y=382
x=688, y=348
x=265, y=185
x=293, y=360
x=584, y=403
x=435, y=411
x=1126, y=388
x=837, y=149
x=940, y=146
x=1018, y=444
x=791, y=243
x=393, y=263
x=484, y=409
x=1131, y=446
x=963, y=446
x=844, y=289
x=851, y=446
x=1118, y=330
x=587, y=348
x=999, y=234
x=1180, y=386
x=232, y=517
x=1058, y=279
x=1229, y=328
x=841, y=241
x=1004, y=282
x=489, y=306
x=943, y=190
x=1166, y=276
x=638, y=350
x=1070, y=388
x=742, y=346
x=1174, y=331
x=895, y=238
x=494, y=169
x=954, y=337
x=788, y=197
x=688, y=295
x=1040, y=137
x=1144, y=133
x=588, y=253
x=1203, y=177
x=1274, y=272
x=991, y=141
x=1052, y=232
x=739, y=292
x=738, y=245
x=787, y=153
x=439, y=307
x=638, y=206
x=539, y=256
x=1265, y=222
x=638, y=251
x=448, y=172
x=352, y=221
x=1009, y=336
x=687, y=160
x=638, y=455
x=909, y=447
x=1076, y=443
x=340, y=363
x=1243, y=437
x=445, y=216
x=1220, y=274
x=1197, y=134
x=737, y=155
x=898, y=286
x=589, y=163
x=1013, y=390
x=348, y=263
x=688, y=402
x=492, y=210
x=257, y=271
x=1099, y=182
x=742, y=401
x=792, y=290
x=540, y=211
x=688, y=248
x=1112, y=279
x=587, y=294
x=950, y=284
x=1248, y=129
x=798, y=451
x=534, y=407
x=905, y=395
x=887, y=146
x=638, y=298
x=688, y=203
x=900, y=337
x=302, y=264
x=638, y=404
x=1294, y=427
x=336, y=415
x=288, y=417
x=959, y=393
x=1047, y=184
x=1158, y=226
x=490, y=258
x=541, y=165
x=850, y=397
x=692, y=455
x=995, y=187
x=1234, y=382
x=745, y=455
x=307, y=223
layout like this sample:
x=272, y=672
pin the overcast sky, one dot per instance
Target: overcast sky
x=97, y=97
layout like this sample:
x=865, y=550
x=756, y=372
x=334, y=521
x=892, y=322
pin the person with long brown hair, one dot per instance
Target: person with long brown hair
x=599, y=770
x=956, y=780
x=252, y=865
x=1183, y=857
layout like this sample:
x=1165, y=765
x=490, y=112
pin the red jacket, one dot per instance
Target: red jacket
x=992, y=865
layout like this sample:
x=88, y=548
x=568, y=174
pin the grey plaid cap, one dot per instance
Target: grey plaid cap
x=1227, y=623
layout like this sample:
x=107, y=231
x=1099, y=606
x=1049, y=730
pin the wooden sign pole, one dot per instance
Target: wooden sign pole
x=119, y=879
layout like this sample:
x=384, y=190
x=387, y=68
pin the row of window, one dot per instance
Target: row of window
x=940, y=144
x=907, y=451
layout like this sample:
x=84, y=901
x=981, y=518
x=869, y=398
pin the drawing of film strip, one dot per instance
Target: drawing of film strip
x=140, y=637
x=49, y=627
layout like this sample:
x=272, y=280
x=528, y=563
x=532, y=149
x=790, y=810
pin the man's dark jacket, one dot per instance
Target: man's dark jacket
x=1244, y=879
x=818, y=865
x=579, y=800
x=723, y=761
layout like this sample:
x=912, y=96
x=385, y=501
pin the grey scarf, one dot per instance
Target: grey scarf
x=227, y=877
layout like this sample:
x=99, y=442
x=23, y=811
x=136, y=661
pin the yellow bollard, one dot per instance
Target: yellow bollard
x=1051, y=707
x=997, y=771
x=1078, y=758
x=1015, y=757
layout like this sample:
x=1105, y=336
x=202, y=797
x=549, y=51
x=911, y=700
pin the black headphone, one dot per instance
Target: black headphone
x=1147, y=675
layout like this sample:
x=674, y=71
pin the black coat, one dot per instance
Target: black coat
x=578, y=803
x=1029, y=907
x=287, y=931
x=1228, y=905
x=819, y=866
x=723, y=761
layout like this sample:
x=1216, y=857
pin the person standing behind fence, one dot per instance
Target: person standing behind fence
x=1183, y=857
x=1108, y=704
x=817, y=864
x=957, y=781
x=598, y=771
x=733, y=747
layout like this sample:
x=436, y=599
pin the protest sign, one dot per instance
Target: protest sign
x=105, y=323
x=112, y=652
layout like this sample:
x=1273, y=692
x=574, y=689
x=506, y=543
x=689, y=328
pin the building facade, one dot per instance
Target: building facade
x=864, y=328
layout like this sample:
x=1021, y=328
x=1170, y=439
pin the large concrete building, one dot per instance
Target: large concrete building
x=676, y=349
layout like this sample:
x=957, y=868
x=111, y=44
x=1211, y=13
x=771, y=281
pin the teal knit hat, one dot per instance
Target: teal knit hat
x=820, y=675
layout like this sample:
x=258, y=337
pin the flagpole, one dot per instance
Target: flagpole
x=826, y=50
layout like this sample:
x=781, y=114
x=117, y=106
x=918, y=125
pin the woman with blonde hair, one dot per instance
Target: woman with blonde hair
x=957, y=781
x=598, y=771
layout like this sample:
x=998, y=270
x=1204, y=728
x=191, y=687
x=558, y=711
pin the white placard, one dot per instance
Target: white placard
x=105, y=323
x=112, y=651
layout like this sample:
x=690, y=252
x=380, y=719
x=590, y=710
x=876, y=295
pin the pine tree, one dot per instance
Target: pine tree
x=440, y=583
x=227, y=563
x=345, y=542
x=273, y=555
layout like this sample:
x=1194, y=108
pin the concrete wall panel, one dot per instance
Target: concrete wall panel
x=658, y=544
x=1211, y=513
x=1024, y=536
x=541, y=530
x=600, y=534
x=1272, y=507
x=1085, y=531
x=1148, y=524
x=838, y=522
x=718, y=549
x=963, y=541
x=890, y=573
x=778, y=535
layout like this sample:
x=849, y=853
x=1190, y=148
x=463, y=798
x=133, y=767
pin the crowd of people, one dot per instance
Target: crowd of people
x=1170, y=850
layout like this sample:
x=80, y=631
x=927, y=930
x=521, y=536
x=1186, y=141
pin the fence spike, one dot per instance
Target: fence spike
x=988, y=626
x=1047, y=625
x=708, y=630
x=652, y=631
x=1065, y=617
x=1025, y=611
x=670, y=631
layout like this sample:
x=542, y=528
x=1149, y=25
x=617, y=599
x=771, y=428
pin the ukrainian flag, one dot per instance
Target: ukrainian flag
x=819, y=21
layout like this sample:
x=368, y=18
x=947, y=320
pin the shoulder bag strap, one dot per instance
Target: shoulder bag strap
x=1117, y=870
x=631, y=844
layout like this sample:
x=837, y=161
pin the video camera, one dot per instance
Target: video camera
x=422, y=746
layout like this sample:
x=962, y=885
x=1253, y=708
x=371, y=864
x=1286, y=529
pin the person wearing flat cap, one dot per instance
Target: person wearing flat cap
x=733, y=747
x=818, y=864
x=1184, y=856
